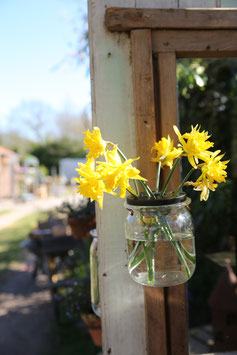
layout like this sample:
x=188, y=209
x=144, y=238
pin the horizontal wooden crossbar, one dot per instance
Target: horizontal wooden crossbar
x=196, y=43
x=126, y=19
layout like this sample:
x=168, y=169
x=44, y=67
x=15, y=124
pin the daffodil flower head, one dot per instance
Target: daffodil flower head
x=95, y=143
x=204, y=186
x=165, y=152
x=112, y=156
x=195, y=144
x=213, y=171
x=116, y=174
x=90, y=182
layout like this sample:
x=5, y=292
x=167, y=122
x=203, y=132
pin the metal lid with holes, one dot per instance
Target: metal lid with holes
x=167, y=199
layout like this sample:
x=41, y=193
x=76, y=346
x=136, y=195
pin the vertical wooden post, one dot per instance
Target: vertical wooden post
x=168, y=112
x=144, y=106
x=145, y=123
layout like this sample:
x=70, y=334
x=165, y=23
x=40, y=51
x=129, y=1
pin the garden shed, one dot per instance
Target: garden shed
x=134, y=45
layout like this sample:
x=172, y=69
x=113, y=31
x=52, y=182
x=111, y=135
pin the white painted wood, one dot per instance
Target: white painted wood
x=161, y=4
x=122, y=300
x=197, y=3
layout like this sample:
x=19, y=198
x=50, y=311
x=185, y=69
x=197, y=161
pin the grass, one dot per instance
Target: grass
x=2, y=212
x=11, y=237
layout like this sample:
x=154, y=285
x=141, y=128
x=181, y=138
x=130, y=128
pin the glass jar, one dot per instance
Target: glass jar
x=160, y=240
x=94, y=274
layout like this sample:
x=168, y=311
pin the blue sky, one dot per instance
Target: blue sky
x=37, y=40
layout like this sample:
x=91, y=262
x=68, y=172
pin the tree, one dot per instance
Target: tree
x=33, y=120
x=72, y=125
x=15, y=141
x=49, y=153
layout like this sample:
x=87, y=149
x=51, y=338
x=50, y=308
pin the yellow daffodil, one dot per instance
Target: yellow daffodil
x=90, y=183
x=95, y=143
x=204, y=186
x=165, y=152
x=112, y=157
x=215, y=169
x=195, y=144
x=213, y=172
x=117, y=173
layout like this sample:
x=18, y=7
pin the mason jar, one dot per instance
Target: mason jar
x=94, y=274
x=160, y=240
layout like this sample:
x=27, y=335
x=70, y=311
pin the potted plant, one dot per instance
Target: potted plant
x=159, y=228
x=76, y=303
x=80, y=217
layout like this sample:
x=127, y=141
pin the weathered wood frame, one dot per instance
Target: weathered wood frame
x=158, y=37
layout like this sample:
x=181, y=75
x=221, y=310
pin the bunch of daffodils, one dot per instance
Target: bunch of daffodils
x=97, y=177
x=115, y=171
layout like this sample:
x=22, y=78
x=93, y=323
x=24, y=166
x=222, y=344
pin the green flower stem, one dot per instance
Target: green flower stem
x=183, y=182
x=144, y=186
x=136, y=187
x=149, y=253
x=158, y=177
x=169, y=177
x=135, y=196
x=121, y=154
x=180, y=255
x=147, y=189
x=133, y=254
x=137, y=260
x=176, y=245
x=152, y=250
x=188, y=255
x=150, y=191
x=149, y=263
x=182, y=259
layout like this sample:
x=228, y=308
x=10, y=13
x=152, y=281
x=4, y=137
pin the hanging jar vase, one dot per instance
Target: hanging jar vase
x=160, y=240
x=94, y=274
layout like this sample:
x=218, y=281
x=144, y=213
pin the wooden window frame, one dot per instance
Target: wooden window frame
x=158, y=38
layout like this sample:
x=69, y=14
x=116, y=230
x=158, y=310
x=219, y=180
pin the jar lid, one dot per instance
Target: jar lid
x=168, y=199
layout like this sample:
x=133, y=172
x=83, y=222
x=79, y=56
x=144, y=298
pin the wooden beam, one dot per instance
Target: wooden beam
x=177, y=320
x=155, y=321
x=145, y=121
x=176, y=315
x=144, y=106
x=126, y=19
x=196, y=43
x=167, y=106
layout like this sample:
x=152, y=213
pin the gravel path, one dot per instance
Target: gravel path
x=22, y=209
x=26, y=314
